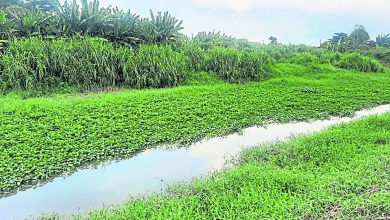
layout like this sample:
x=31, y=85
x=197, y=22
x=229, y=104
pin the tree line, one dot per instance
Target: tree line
x=50, y=19
x=358, y=39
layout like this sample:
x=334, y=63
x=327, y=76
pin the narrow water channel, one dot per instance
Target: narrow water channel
x=150, y=171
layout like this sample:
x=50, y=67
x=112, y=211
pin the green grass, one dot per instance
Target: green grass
x=41, y=67
x=203, y=79
x=340, y=173
x=46, y=137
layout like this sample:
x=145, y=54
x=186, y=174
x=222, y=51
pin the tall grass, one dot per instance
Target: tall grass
x=351, y=61
x=239, y=66
x=33, y=64
x=356, y=61
x=92, y=63
x=152, y=66
x=196, y=56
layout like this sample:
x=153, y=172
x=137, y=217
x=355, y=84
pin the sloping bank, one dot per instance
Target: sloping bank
x=47, y=137
x=340, y=173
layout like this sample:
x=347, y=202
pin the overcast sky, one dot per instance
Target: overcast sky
x=292, y=21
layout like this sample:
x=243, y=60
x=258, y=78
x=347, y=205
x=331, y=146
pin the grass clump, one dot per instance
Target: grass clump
x=341, y=173
x=204, y=79
x=358, y=62
x=238, y=66
x=196, y=57
x=87, y=64
x=152, y=66
x=305, y=58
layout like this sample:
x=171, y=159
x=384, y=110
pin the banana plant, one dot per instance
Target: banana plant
x=23, y=22
x=164, y=27
x=89, y=19
x=383, y=40
x=126, y=27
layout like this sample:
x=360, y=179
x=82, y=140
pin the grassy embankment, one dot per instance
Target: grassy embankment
x=45, y=137
x=340, y=173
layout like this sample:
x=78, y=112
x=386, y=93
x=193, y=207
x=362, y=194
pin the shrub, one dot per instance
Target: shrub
x=356, y=61
x=379, y=53
x=305, y=59
x=327, y=57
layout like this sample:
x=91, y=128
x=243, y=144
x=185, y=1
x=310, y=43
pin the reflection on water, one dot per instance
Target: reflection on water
x=150, y=171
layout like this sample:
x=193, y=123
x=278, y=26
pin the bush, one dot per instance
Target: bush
x=238, y=66
x=327, y=57
x=305, y=59
x=379, y=53
x=356, y=61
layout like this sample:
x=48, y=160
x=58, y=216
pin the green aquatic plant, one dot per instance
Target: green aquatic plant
x=338, y=173
x=42, y=138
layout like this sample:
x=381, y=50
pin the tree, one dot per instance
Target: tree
x=273, y=40
x=359, y=35
x=383, y=40
x=339, y=37
x=340, y=42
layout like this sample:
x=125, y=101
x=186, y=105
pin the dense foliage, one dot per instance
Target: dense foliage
x=69, y=19
x=57, y=49
x=239, y=66
x=379, y=53
x=33, y=64
x=359, y=62
x=208, y=40
x=358, y=40
x=85, y=64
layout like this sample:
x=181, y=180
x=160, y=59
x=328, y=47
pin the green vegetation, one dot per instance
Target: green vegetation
x=214, y=84
x=90, y=64
x=38, y=65
x=341, y=173
x=20, y=20
x=239, y=66
x=47, y=137
x=356, y=61
x=381, y=54
x=47, y=47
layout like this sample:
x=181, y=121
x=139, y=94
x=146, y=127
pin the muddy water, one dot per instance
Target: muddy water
x=150, y=171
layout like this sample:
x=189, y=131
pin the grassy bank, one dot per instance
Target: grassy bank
x=340, y=173
x=42, y=67
x=45, y=137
